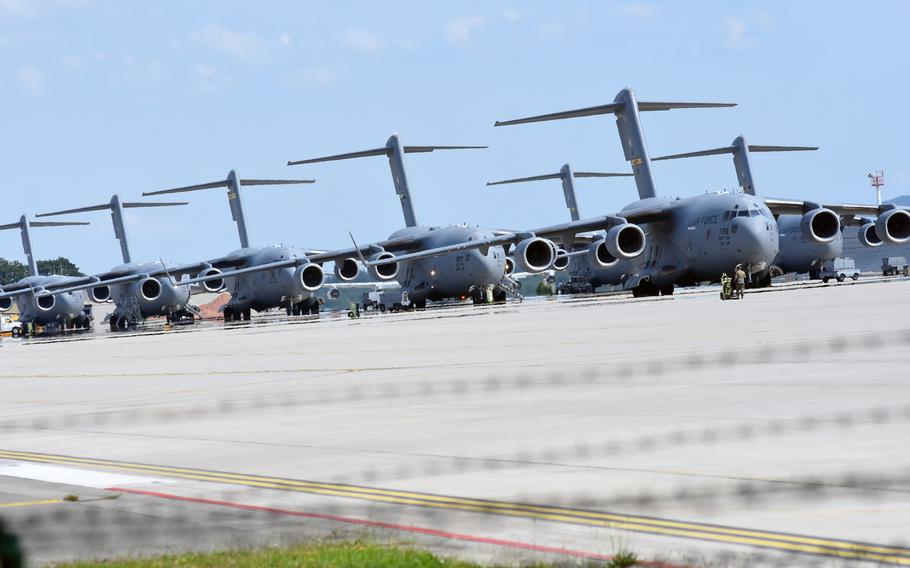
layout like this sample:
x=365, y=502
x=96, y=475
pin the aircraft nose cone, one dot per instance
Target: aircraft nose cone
x=756, y=241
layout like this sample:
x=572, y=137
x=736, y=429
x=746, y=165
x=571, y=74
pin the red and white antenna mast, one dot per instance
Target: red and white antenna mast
x=877, y=179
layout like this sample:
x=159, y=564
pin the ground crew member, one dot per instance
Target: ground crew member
x=739, y=281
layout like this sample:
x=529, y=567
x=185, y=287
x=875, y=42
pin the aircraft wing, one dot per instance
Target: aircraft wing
x=500, y=240
x=257, y=268
x=392, y=245
x=798, y=207
x=648, y=214
x=567, y=232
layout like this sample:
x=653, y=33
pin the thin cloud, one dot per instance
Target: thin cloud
x=460, y=31
x=640, y=10
x=362, y=40
x=285, y=39
x=31, y=80
x=240, y=45
x=737, y=33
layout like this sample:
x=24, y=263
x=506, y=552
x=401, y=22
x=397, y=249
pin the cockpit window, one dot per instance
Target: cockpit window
x=743, y=213
x=753, y=213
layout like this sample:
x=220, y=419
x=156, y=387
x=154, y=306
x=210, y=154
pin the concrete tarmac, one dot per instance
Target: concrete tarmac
x=768, y=431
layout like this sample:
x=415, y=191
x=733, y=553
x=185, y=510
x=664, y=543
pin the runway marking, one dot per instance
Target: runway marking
x=30, y=503
x=636, y=523
x=393, y=526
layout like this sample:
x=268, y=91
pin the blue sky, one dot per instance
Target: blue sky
x=101, y=97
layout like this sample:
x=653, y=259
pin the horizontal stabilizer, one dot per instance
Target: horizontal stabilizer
x=732, y=149
x=226, y=183
x=44, y=224
x=754, y=148
x=107, y=206
x=558, y=176
x=384, y=151
x=611, y=108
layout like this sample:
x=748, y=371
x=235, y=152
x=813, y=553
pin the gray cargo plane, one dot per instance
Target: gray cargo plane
x=584, y=266
x=690, y=239
x=139, y=290
x=459, y=261
x=258, y=278
x=36, y=305
x=810, y=233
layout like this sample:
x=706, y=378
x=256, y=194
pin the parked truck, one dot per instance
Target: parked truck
x=839, y=268
x=10, y=326
x=893, y=265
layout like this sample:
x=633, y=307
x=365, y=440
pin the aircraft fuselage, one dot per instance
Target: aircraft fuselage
x=266, y=289
x=63, y=307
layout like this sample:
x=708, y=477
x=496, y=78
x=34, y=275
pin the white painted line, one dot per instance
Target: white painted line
x=73, y=476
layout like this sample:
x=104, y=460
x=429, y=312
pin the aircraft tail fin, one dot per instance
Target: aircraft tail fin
x=115, y=206
x=567, y=175
x=395, y=151
x=24, y=226
x=626, y=108
x=233, y=183
x=741, y=161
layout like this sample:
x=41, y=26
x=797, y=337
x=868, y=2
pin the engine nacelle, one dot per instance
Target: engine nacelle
x=868, y=236
x=347, y=269
x=100, y=294
x=534, y=255
x=45, y=302
x=386, y=271
x=893, y=227
x=561, y=260
x=625, y=241
x=214, y=285
x=150, y=288
x=510, y=266
x=6, y=304
x=310, y=277
x=820, y=225
x=600, y=255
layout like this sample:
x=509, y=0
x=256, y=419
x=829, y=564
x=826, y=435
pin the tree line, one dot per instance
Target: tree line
x=13, y=270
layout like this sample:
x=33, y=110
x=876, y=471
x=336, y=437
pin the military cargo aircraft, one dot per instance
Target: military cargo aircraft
x=583, y=266
x=139, y=290
x=811, y=233
x=690, y=239
x=36, y=305
x=258, y=278
x=459, y=261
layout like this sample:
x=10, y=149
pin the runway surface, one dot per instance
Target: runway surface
x=770, y=431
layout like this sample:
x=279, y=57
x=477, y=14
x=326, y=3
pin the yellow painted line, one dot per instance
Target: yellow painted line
x=30, y=503
x=779, y=541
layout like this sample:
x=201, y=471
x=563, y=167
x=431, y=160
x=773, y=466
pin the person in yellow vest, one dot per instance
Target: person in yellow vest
x=739, y=281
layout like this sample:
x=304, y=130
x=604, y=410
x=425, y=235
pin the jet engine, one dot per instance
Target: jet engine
x=347, y=269
x=6, y=304
x=386, y=271
x=510, y=266
x=150, y=288
x=534, y=255
x=600, y=255
x=561, y=259
x=820, y=225
x=625, y=241
x=893, y=227
x=310, y=276
x=46, y=302
x=100, y=294
x=214, y=285
x=868, y=236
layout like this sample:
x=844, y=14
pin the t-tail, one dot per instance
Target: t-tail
x=395, y=151
x=234, y=185
x=116, y=207
x=567, y=175
x=626, y=108
x=24, y=226
x=741, y=160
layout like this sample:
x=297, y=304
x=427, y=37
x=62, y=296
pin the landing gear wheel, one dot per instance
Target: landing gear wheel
x=499, y=296
x=419, y=304
x=123, y=324
x=825, y=280
x=296, y=309
x=113, y=323
x=247, y=314
x=314, y=309
x=666, y=290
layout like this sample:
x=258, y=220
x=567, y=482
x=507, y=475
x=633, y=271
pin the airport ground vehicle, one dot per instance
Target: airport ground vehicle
x=575, y=285
x=838, y=268
x=10, y=326
x=893, y=265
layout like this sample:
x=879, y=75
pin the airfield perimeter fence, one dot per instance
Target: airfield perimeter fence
x=106, y=524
